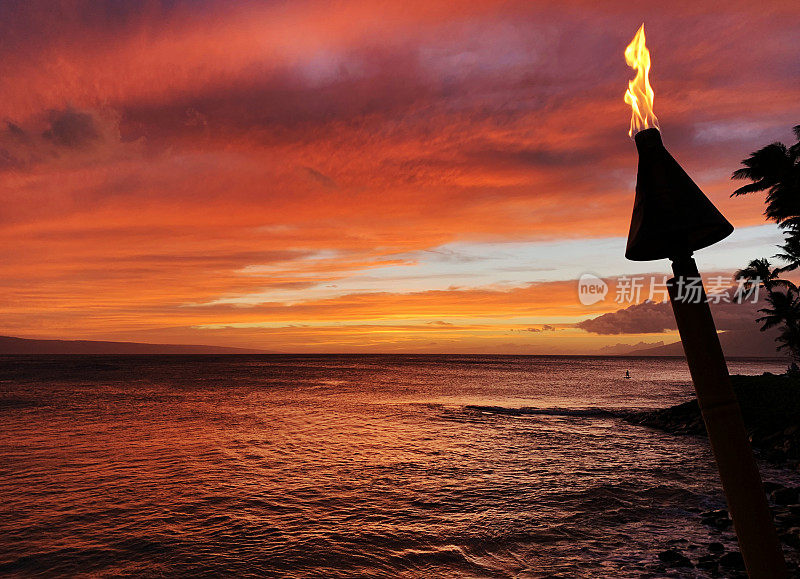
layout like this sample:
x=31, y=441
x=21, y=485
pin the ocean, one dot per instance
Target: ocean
x=349, y=466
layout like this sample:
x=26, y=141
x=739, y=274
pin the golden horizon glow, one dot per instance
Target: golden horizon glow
x=640, y=94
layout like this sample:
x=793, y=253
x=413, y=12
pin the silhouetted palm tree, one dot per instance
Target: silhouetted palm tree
x=760, y=271
x=784, y=311
x=776, y=170
x=789, y=338
x=790, y=254
x=792, y=225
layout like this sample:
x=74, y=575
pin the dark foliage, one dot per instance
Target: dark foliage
x=775, y=169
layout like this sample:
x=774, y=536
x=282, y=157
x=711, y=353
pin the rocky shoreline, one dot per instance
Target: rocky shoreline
x=771, y=410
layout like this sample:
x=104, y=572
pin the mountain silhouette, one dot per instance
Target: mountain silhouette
x=20, y=346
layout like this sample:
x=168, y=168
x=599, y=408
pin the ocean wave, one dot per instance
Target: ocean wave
x=153, y=470
x=11, y=402
x=531, y=411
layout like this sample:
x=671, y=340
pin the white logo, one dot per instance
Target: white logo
x=591, y=289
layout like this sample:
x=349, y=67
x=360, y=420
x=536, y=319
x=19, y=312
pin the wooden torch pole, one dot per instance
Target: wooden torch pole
x=741, y=481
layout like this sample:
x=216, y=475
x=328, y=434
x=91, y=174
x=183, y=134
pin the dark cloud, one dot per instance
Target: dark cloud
x=739, y=317
x=534, y=157
x=66, y=133
x=72, y=129
x=654, y=318
x=544, y=328
x=644, y=318
x=15, y=130
x=320, y=178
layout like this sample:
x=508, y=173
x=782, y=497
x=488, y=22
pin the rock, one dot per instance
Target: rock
x=708, y=563
x=771, y=486
x=720, y=524
x=770, y=406
x=784, y=519
x=732, y=560
x=792, y=537
x=714, y=514
x=775, y=455
x=716, y=547
x=674, y=558
x=785, y=496
x=718, y=519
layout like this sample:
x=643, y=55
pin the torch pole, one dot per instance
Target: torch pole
x=741, y=481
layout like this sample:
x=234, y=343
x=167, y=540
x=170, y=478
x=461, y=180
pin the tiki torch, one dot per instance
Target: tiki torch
x=672, y=218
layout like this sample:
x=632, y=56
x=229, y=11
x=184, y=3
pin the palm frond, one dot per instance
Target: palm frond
x=756, y=187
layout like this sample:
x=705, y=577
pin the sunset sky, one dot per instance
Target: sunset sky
x=377, y=176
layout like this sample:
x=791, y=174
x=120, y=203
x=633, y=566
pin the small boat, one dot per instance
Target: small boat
x=627, y=374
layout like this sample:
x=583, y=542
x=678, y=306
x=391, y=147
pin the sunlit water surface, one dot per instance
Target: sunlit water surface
x=341, y=466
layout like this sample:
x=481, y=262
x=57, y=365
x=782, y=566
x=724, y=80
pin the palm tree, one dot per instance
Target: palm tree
x=790, y=253
x=776, y=170
x=789, y=338
x=760, y=271
x=791, y=224
x=785, y=310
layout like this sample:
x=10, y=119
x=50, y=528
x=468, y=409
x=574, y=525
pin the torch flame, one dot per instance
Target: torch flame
x=640, y=94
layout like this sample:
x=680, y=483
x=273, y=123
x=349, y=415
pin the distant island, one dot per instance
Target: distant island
x=735, y=344
x=10, y=346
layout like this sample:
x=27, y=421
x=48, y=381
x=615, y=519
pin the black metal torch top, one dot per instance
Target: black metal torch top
x=671, y=215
